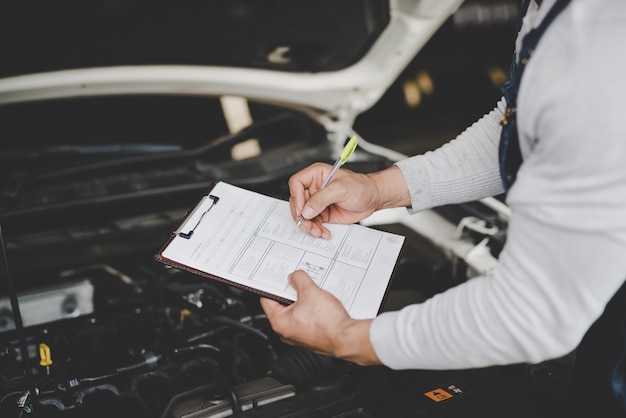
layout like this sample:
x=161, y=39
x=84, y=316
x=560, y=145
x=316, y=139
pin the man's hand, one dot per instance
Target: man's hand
x=350, y=197
x=319, y=322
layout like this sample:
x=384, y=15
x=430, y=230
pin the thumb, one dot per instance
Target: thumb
x=317, y=203
x=332, y=194
x=308, y=212
x=301, y=281
x=271, y=307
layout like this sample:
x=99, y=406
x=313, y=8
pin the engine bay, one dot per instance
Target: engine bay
x=110, y=332
x=130, y=337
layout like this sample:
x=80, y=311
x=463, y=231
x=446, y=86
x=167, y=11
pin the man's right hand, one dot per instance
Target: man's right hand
x=350, y=197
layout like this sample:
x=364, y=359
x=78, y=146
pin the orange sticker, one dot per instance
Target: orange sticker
x=438, y=395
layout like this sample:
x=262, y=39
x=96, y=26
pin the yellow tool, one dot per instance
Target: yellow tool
x=45, y=357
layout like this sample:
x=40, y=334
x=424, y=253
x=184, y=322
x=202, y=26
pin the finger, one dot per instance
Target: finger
x=299, y=185
x=316, y=204
x=304, y=183
x=318, y=230
x=293, y=208
x=301, y=281
x=335, y=192
x=271, y=308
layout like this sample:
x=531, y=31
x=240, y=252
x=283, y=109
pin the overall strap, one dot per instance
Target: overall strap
x=510, y=156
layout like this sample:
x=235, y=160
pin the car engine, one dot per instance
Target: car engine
x=106, y=331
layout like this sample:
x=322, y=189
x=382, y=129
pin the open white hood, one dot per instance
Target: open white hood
x=339, y=95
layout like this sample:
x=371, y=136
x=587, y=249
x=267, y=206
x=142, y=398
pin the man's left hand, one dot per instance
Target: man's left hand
x=319, y=322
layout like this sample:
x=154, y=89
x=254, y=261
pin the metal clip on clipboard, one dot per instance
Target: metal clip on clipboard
x=214, y=200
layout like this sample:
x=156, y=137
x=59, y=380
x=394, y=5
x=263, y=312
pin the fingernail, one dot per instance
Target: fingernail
x=308, y=212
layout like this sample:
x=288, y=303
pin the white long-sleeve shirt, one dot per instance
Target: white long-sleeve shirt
x=565, y=254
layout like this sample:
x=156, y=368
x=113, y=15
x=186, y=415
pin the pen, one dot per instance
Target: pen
x=343, y=157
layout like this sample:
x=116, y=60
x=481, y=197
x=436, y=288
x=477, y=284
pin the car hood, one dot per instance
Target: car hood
x=332, y=58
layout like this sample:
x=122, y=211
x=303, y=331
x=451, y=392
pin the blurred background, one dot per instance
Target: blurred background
x=452, y=82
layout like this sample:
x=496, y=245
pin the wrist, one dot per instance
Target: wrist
x=391, y=188
x=353, y=343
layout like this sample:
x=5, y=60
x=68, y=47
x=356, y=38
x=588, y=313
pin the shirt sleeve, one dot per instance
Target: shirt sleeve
x=462, y=170
x=538, y=302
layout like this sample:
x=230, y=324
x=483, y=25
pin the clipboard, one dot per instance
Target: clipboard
x=247, y=240
x=187, y=235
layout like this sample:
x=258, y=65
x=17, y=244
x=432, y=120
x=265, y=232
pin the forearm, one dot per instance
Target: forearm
x=462, y=170
x=535, y=306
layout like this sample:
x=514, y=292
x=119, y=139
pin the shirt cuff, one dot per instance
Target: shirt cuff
x=418, y=182
x=382, y=337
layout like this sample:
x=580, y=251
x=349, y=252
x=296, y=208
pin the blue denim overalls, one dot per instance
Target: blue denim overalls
x=600, y=369
x=509, y=152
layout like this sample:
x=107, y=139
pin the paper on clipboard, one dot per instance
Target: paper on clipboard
x=248, y=240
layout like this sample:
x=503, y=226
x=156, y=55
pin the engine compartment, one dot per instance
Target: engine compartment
x=108, y=331
x=133, y=338
x=158, y=343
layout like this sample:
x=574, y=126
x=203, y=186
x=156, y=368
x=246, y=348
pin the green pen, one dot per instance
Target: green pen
x=343, y=157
